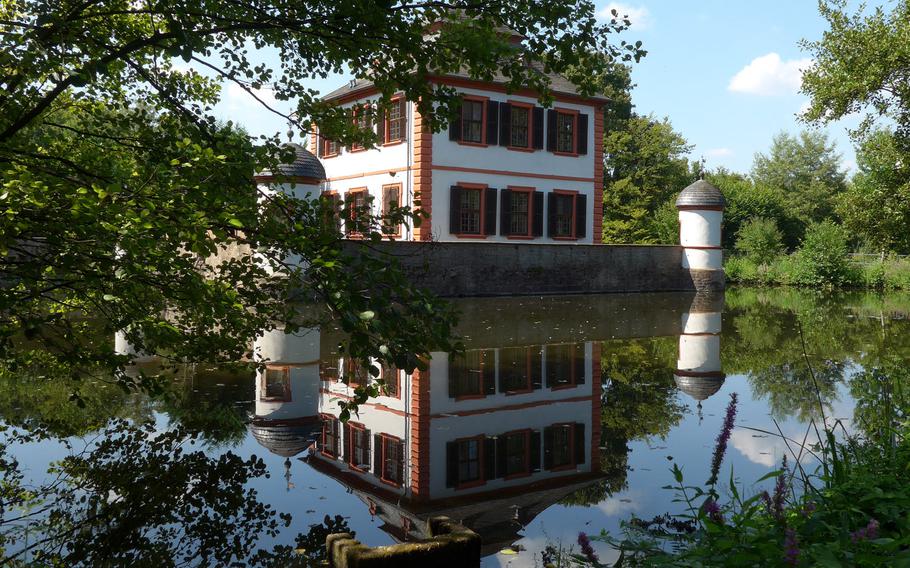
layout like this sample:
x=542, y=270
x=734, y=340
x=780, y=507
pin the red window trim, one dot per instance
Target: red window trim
x=483, y=121
x=574, y=222
x=572, y=463
x=574, y=113
x=530, y=191
x=387, y=120
x=383, y=437
x=350, y=440
x=355, y=112
x=528, y=388
x=397, y=233
x=481, y=452
x=574, y=382
x=483, y=386
x=483, y=210
x=328, y=418
x=350, y=218
x=530, y=146
x=527, y=435
x=286, y=397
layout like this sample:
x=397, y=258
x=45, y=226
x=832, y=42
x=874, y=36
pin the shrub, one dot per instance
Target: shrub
x=822, y=259
x=741, y=270
x=760, y=240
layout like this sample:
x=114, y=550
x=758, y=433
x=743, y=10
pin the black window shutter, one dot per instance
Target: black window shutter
x=451, y=464
x=501, y=456
x=581, y=215
x=551, y=130
x=489, y=221
x=537, y=206
x=336, y=427
x=505, y=124
x=492, y=123
x=579, y=363
x=377, y=455
x=455, y=210
x=551, y=215
x=582, y=134
x=366, y=455
x=455, y=128
x=579, y=443
x=505, y=211
x=348, y=442
x=489, y=373
x=537, y=125
x=548, y=447
x=535, y=450
x=536, y=363
x=320, y=146
x=489, y=458
x=380, y=126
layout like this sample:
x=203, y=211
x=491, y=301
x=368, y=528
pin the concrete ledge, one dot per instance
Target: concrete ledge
x=451, y=546
x=453, y=269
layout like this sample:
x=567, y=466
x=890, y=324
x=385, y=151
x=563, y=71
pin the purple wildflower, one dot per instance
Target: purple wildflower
x=780, y=492
x=721, y=447
x=791, y=548
x=766, y=498
x=712, y=510
x=868, y=532
x=586, y=548
x=808, y=508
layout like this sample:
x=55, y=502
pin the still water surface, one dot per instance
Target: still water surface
x=563, y=416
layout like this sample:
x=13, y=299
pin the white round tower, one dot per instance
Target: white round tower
x=698, y=369
x=701, y=214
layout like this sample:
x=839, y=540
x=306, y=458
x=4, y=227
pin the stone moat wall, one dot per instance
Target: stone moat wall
x=455, y=269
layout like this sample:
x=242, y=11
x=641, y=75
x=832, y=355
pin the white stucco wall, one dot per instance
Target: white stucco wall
x=304, y=402
x=704, y=322
x=700, y=228
x=699, y=353
x=703, y=259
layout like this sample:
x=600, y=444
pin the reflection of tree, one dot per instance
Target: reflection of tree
x=136, y=497
x=791, y=390
x=638, y=402
x=882, y=399
x=39, y=398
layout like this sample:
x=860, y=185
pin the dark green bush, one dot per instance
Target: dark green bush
x=760, y=240
x=822, y=259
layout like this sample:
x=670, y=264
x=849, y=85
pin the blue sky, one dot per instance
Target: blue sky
x=726, y=74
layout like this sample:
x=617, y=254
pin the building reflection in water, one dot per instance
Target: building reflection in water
x=491, y=438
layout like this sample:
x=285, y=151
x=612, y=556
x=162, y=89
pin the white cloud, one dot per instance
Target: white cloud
x=615, y=505
x=719, y=152
x=639, y=16
x=769, y=75
x=237, y=98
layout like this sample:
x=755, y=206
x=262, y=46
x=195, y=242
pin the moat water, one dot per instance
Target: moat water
x=564, y=415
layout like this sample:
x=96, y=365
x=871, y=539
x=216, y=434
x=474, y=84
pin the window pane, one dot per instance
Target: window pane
x=472, y=121
x=565, y=215
x=565, y=132
x=276, y=383
x=516, y=447
x=562, y=436
x=470, y=211
x=520, y=121
x=467, y=372
x=514, y=368
x=390, y=200
x=519, y=209
x=469, y=460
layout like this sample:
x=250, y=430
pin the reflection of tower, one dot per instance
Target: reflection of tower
x=698, y=370
x=287, y=391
